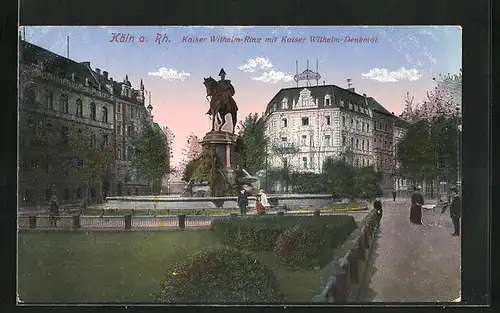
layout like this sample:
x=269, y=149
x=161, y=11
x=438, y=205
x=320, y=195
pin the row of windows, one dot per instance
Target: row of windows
x=28, y=195
x=48, y=103
x=356, y=143
x=382, y=126
x=387, y=145
x=359, y=126
x=130, y=131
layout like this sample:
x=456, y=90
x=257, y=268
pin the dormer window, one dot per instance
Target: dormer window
x=305, y=121
x=284, y=104
x=328, y=100
x=341, y=103
x=93, y=111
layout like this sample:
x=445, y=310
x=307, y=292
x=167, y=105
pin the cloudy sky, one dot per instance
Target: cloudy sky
x=396, y=61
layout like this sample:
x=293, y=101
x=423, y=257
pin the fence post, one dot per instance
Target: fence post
x=340, y=288
x=76, y=221
x=182, y=221
x=128, y=221
x=317, y=213
x=32, y=221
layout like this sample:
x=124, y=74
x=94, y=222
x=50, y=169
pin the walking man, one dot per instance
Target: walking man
x=394, y=194
x=243, y=201
x=417, y=200
x=54, y=210
x=455, y=211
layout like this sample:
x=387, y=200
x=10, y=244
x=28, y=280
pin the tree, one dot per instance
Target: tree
x=191, y=151
x=88, y=158
x=152, y=155
x=253, y=152
x=284, y=150
x=339, y=178
x=367, y=183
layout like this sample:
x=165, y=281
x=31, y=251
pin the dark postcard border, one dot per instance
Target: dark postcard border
x=473, y=16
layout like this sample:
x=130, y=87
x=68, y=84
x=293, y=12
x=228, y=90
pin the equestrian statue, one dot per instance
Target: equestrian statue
x=221, y=101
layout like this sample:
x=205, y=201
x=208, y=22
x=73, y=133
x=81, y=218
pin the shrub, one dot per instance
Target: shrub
x=220, y=276
x=287, y=243
x=311, y=244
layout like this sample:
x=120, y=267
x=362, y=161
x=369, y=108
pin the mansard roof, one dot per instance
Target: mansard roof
x=339, y=97
x=55, y=64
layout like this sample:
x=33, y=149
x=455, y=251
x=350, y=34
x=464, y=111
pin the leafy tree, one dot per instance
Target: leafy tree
x=90, y=158
x=339, y=178
x=367, y=183
x=253, y=152
x=192, y=150
x=152, y=155
x=285, y=150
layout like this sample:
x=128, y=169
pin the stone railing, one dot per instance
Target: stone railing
x=348, y=269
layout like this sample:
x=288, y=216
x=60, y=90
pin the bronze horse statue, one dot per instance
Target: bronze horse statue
x=220, y=103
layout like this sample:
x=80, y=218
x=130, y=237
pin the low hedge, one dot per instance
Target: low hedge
x=319, y=236
x=225, y=275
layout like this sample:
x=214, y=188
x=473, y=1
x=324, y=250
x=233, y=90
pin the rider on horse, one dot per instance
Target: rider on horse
x=225, y=90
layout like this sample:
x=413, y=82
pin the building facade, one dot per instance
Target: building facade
x=56, y=95
x=328, y=121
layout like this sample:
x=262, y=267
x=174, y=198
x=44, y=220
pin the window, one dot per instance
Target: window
x=352, y=122
x=49, y=100
x=385, y=127
x=363, y=162
x=79, y=194
x=29, y=96
x=303, y=140
x=129, y=111
x=285, y=122
x=363, y=145
x=105, y=139
x=368, y=162
x=343, y=140
x=130, y=130
x=305, y=121
x=119, y=108
x=367, y=127
x=304, y=162
x=92, y=111
x=343, y=120
x=119, y=152
x=363, y=126
x=104, y=114
x=357, y=143
x=119, y=128
x=284, y=139
x=385, y=144
x=327, y=140
x=357, y=162
x=352, y=142
x=328, y=120
x=66, y=195
x=357, y=125
x=327, y=101
x=380, y=125
x=79, y=107
x=64, y=104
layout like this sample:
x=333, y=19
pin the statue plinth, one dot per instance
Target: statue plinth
x=224, y=144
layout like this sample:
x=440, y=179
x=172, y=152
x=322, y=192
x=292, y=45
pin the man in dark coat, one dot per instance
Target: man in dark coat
x=417, y=200
x=455, y=211
x=54, y=210
x=243, y=201
x=393, y=194
x=377, y=205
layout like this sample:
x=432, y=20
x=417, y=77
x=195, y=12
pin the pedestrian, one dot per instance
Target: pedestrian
x=417, y=200
x=455, y=211
x=394, y=194
x=377, y=205
x=243, y=201
x=54, y=210
x=261, y=202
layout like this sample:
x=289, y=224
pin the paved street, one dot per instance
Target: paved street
x=413, y=263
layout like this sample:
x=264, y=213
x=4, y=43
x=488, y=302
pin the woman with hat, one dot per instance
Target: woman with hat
x=417, y=200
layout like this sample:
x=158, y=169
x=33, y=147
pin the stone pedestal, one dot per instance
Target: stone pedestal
x=224, y=144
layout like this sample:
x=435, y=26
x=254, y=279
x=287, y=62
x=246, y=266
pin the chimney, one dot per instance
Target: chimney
x=111, y=79
x=105, y=74
x=98, y=70
x=364, y=95
x=86, y=63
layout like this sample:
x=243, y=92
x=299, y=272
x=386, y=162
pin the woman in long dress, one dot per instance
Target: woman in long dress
x=417, y=200
x=261, y=202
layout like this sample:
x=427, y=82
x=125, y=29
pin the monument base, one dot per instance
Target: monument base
x=224, y=144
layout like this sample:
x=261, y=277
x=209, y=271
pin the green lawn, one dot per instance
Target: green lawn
x=122, y=267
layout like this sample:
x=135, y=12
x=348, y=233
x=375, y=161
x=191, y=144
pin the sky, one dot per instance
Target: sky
x=390, y=63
